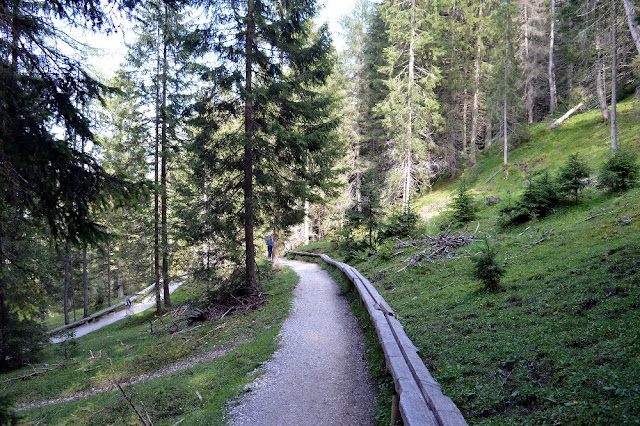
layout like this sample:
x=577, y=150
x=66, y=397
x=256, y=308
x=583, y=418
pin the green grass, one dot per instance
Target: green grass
x=133, y=350
x=560, y=343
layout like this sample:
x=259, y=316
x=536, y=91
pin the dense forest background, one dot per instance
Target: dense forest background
x=234, y=120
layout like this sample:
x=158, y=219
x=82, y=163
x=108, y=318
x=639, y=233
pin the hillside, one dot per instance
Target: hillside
x=559, y=342
x=197, y=368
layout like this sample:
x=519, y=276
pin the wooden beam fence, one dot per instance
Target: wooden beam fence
x=100, y=313
x=421, y=401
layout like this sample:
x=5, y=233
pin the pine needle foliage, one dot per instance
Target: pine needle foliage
x=571, y=177
x=487, y=269
x=462, y=205
x=538, y=200
x=620, y=172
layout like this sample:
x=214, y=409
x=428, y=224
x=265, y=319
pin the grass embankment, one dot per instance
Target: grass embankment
x=129, y=350
x=560, y=343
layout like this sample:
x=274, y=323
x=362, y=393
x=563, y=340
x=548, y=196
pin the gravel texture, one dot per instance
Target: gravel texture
x=319, y=375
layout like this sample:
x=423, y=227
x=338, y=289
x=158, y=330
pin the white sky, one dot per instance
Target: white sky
x=108, y=52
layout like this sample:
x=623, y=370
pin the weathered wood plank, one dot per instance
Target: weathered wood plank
x=412, y=407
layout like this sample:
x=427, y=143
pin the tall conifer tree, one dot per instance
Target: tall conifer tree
x=411, y=108
x=266, y=135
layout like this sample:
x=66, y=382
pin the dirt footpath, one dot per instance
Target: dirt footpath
x=319, y=375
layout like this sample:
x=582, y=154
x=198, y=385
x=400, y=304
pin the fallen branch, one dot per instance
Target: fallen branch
x=438, y=247
x=35, y=372
x=545, y=236
x=493, y=175
x=596, y=215
x=128, y=398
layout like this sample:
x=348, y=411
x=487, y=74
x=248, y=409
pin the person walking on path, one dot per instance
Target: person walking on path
x=269, y=241
x=127, y=305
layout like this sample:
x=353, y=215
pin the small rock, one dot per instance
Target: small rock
x=491, y=199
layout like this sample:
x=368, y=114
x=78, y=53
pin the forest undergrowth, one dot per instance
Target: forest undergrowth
x=557, y=341
x=205, y=364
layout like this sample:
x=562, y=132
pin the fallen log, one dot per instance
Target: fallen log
x=568, y=114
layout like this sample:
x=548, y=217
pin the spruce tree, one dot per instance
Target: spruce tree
x=411, y=108
x=266, y=132
x=571, y=176
x=162, y=62
x=46, y=178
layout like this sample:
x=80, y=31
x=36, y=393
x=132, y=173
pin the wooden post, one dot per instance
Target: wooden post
x=395, y=409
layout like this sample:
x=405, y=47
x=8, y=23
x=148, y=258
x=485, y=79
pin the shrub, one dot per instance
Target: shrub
x=539, y=199
x=463, y=208
x=400, y=225
x=571, y=176
x=7, y=414
x=487, y=269
x=353, y=247
x=620, y=172
x=22, y=340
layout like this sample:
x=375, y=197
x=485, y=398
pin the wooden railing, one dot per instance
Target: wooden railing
x=419, y=398
x=101, y=312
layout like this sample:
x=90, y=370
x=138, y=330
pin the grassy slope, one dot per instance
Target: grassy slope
x=560, y=343
x=169, y=398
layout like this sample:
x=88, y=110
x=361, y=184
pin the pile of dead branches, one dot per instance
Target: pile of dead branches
x=235, y=305
x=442, y=246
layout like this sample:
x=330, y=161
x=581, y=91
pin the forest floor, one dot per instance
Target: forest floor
x=183, y=365
x=319, y=375
x=186, y=375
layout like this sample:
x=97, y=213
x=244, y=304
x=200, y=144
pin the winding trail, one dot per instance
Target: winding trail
x=183, y=365
x=319, y=375
x=146, y=303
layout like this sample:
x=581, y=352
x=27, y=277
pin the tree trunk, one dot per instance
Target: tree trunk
x=119, y=280
x=475, y=107
x=72, y=287
x=250, y=251
x=156, y=192
x=15, y=36
x=504, y=108
x=358, y=175
x=505, y=138
x=614, y=78
x=553, y=101
x=528, y=85
x=631, y=18
x=488, y=133
x=108, y=283
x=406, y=192
x=276, y=238
x=85, y=283
x=465, y=109
x=568, y=114
x=600, y=83
x=166, y=280
x=67, y=282
x=305, y=231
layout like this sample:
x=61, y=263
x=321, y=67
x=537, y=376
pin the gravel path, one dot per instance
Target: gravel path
x=319, y=375
x=183, y=365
